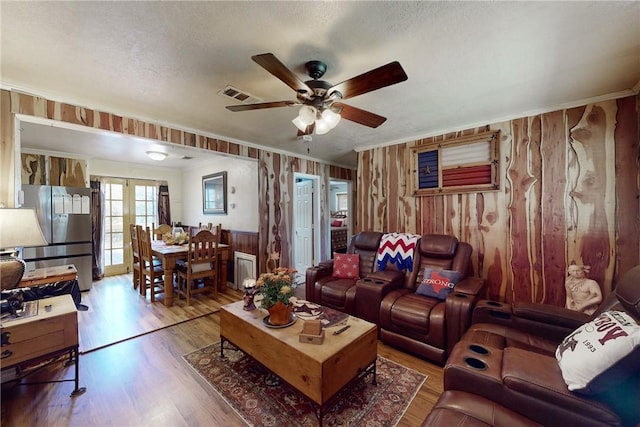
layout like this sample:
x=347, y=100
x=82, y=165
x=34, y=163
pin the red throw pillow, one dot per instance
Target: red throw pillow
x=346, y=266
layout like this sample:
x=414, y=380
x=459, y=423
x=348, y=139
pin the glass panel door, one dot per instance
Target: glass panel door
x=127, y=202
x=145, y=199
x=114, y=230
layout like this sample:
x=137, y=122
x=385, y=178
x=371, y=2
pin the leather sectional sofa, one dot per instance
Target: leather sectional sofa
x=340, y=293
x=533, y=364
x=421, y=324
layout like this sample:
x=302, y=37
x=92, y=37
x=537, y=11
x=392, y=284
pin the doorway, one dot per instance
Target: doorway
x=340, y=208
x=127, y=201
x=305, y=218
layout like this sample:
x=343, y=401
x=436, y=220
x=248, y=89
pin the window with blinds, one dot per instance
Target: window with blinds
x=467, y=164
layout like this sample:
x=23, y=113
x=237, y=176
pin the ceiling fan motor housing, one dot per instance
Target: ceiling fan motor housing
x=315, y=69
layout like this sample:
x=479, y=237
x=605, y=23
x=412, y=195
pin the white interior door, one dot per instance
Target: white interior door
x=303, y=218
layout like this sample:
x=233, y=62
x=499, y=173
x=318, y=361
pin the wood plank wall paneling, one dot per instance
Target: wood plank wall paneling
x=33, y=169
x=245, y=241
x=62, y=171
x=553, y=188
x=627, y=135
x=68, y=172
x=570, y=194
x=7, y=151
x=591, y=176
x=276, y=171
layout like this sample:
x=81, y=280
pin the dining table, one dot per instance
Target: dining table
x=170, y=254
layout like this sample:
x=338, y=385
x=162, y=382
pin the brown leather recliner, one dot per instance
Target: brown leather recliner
x=322, y=288
x=458, y=408
x=509, y=358
x=427, y=326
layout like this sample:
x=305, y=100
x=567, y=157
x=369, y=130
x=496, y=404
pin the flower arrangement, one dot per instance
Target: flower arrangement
x=175, y=239
x=277, y=286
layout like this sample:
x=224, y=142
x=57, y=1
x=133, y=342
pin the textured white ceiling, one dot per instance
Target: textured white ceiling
x=469, y=63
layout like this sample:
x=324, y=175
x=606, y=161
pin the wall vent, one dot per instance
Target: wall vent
x=245, y=267
x=239, y=95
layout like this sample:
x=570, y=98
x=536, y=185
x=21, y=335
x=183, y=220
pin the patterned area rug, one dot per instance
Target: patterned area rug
x=242, y=383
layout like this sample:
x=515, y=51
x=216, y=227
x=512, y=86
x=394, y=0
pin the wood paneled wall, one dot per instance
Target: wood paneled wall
x=61, y=171
x=276, y=178
x=570, y=194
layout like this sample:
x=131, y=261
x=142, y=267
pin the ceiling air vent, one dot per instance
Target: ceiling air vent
x=238, y=95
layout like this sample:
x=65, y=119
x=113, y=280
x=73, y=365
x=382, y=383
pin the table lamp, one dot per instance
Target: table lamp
x=18, y=228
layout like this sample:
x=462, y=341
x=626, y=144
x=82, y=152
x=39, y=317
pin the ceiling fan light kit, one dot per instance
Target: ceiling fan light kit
x=307, y=114
x=321, y=109
x=328, y=121
x=300, y=124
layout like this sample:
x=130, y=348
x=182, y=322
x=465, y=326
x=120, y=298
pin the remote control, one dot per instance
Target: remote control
x=341, y=330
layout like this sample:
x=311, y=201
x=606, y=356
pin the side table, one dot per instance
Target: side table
x=42, y=276
x=46, y=335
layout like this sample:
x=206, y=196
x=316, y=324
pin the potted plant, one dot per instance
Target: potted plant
x=277, y=288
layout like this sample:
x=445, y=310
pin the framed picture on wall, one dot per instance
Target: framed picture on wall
x=466, y=164
x=214, y=193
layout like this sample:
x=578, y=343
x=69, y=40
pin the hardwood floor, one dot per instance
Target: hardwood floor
x=116, y=312
x=144, y=381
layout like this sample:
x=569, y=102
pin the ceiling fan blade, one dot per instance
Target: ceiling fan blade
x=377, y=78
x=261, y=105
x=269, y=62
x=308, y=131
x=357, y=115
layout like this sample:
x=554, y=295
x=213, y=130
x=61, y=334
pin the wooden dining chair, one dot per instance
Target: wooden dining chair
x=201, y=272
x=151, y=274
x=160, y=230
x=227, y=238
x=135, y=253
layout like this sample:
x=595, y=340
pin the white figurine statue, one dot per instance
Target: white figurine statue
x=582, y=294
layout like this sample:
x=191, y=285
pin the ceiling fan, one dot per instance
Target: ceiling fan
x=320, y=101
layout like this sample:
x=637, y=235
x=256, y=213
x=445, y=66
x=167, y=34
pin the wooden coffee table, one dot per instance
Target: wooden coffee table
x=317, y=371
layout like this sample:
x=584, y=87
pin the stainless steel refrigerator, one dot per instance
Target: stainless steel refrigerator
x=64, y=214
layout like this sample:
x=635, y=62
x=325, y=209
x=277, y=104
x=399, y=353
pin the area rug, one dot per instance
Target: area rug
x=242, y=383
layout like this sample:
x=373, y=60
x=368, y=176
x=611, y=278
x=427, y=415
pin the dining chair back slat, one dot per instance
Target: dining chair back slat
x=160, y=230
x=200, y=274
x=135, y=254
x=151, y=273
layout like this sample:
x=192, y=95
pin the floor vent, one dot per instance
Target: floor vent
x=238, y=95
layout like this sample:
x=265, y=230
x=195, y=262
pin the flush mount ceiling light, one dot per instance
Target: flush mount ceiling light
x=156, y=155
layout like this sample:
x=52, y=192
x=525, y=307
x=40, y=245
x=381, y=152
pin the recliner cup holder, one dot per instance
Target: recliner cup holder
x=459, y=295
x=379, y=282
x=494, y=303
x=474, y=363
x=478, y=349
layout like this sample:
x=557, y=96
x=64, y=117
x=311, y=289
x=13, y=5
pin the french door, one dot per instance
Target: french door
x=127, y=201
